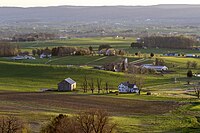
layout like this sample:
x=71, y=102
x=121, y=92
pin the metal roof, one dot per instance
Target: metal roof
x=69, y=80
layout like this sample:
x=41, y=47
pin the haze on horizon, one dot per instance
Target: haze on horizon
x=35, y=3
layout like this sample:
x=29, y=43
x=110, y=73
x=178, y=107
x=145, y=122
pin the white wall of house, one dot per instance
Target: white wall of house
x=125, y=89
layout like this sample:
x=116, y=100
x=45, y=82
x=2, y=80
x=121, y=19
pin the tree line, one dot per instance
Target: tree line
x=89, y=83
x=89, y=121
x=173, y=42
x=64, y=51
x=7, y=49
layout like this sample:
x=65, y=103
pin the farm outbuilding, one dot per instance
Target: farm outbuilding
x=157, y=68
x=67, y=85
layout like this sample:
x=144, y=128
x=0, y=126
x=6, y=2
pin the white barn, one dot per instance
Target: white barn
x=126, y=87
x=157, y=68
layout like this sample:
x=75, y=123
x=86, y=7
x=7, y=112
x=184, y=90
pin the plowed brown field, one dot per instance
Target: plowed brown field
x=69, y=103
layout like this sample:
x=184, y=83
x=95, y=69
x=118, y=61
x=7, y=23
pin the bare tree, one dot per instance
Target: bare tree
x=11, y=124
x=135, y=79
x=95, y=121
x=189, y=76
x=188, y=64
x=85, y=84
x=38, y=52
x=194, y=64
x=197, y=90
x=107, y=87
x=61, y=124
x=99, y=84
x=91, y=121
x=91, y=85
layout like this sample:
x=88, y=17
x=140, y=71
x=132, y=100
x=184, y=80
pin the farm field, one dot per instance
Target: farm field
x=20, y=94
x=73, y=60
x=118, y=43
x=36, y=106
x=171, y=107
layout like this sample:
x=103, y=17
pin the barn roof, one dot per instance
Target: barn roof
x=70, y=81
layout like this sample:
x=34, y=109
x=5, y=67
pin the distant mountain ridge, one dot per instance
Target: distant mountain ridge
x=175, y=14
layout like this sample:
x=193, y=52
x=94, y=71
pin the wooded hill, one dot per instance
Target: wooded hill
x=173, y=42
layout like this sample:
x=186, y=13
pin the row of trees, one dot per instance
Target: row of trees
x=90, y=84
x=38, y=52
x=90, y=121
x=33, y=37
x=63, y=51
x=176, y=42
x=7, y=49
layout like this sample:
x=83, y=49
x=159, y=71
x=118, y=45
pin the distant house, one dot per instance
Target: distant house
x=157, y=68
x=171, y=54
x=45, y=55
x=126, y=87
x=117, y=66
x=107, y=52
x=26, y=57
x=190, y=55
x=17, y=58
x=29, y=57
x=67, y=85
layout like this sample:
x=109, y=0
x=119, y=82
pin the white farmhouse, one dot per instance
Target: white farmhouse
x=45, y=55
x=126, y=87
x=26, y=57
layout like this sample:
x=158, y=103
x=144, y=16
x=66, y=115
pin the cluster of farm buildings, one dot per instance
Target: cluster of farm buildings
x=69, y=84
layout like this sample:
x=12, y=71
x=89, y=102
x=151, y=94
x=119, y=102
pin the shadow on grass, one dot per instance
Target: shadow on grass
x=184, y=130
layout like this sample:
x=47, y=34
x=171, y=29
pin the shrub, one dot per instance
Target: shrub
x=148, y=93
x=91, y=121
x=11, y=124
x=152, y=55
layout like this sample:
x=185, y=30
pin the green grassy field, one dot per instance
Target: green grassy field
x=118, y=43
x=172, y=107
x=32, y=77
x=79, y=42
x=27, y=77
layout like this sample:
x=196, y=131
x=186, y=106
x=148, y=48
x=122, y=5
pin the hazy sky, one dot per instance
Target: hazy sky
x=31, y=3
